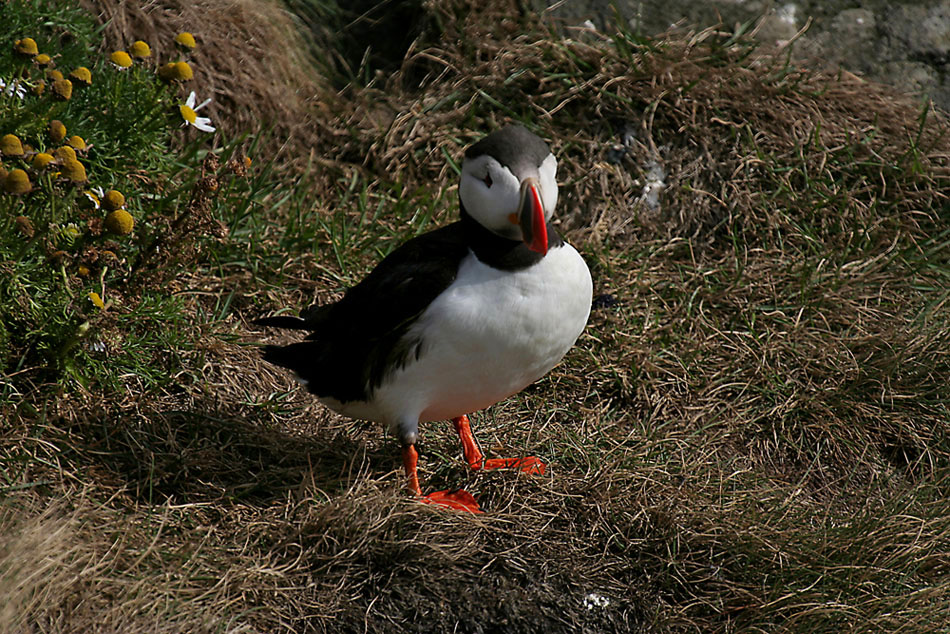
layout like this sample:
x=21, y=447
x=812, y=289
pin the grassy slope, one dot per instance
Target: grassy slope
x=752, y=437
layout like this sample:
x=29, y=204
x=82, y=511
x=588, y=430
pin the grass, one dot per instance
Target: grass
x=751, y=434
x=85, y=300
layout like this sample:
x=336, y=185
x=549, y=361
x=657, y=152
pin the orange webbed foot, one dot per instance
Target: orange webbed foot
x=528, y=464
x=457, y=500
x=475, y=460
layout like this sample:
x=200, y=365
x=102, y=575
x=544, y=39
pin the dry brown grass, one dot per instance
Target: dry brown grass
x=82, y=564
x=753, y=437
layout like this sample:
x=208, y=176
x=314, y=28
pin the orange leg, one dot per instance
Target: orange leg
x=475, y=460
x=459, y=500
x=410, y=458
x=469, y=447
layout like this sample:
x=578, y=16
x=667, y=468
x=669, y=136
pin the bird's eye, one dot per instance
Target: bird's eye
x=487, y=180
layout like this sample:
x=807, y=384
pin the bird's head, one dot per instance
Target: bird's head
x=508, y=185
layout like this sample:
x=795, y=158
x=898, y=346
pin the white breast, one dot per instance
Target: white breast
x=489, y=335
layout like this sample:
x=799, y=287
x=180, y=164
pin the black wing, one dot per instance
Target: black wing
x=355, y=342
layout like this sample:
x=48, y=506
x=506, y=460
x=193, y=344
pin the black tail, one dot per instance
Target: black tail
x=302, y=357
x=310, y=319
x=282, y=321
x=280, y=355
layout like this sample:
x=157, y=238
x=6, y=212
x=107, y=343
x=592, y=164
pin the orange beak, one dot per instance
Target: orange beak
x=531, y=217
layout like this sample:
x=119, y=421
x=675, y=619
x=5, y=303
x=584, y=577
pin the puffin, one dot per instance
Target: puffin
x=457, y=319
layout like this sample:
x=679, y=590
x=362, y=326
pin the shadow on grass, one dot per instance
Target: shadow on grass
x=313, y=505
x=206, y=454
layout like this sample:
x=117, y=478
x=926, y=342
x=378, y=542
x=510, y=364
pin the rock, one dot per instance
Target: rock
x=906, y=45
x=923, y=32
x=780, y=24
x=911, y=77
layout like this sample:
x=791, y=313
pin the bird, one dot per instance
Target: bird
x=456, y=319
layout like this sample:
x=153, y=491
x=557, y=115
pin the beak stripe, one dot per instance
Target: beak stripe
x=531, y=216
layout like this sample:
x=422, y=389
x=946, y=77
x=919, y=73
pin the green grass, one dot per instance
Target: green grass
x=53, y=332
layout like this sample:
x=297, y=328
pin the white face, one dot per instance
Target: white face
x=491, y=193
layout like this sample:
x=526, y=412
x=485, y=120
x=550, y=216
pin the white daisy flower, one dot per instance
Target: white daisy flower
x=13, y=88
x=94, y=197
x=189, y=112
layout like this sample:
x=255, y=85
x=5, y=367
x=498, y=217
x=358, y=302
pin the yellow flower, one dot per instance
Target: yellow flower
x=42, y=59
x=54, y=75
x=140, y=50
x=113, y=200
x=17, y=182
x=77, y=142
x=81, y=76
x=176, y=71
x=74, y=171
x=65, y=153
x=41, y=160
x=119, y=222
x=183, y=71
x=83, y=271
x=186, y=40
x=165, y=71
x=10, y=145
x=94, y=297
x=26, y=47
x=121, y=60
x=39, y=88
x=63, y=89
x=57, y=131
